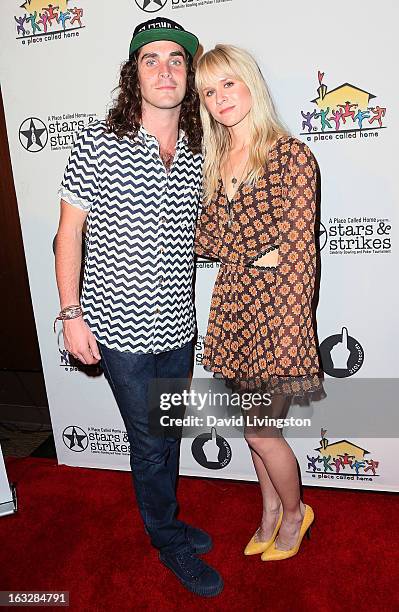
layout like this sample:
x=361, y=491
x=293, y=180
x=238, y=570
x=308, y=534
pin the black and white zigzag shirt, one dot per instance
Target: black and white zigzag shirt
x=137, y=290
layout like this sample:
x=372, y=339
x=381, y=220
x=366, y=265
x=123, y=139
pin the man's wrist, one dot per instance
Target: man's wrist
x=69, y=312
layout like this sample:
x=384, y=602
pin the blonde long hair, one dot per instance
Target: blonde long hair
x=264, y=125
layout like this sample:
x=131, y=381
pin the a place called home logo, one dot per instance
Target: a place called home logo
x=341, y=460
x=151, y=6
x=66, y=360
x=211, y=450
x=341, y=355
x=60, y=131
x=202, y=262
x=75, y=438
x=343, y=112
x=36, y=23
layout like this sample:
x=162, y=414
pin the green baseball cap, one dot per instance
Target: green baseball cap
x=162, y=28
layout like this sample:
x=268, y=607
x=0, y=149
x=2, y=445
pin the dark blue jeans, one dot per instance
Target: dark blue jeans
x=154, y=459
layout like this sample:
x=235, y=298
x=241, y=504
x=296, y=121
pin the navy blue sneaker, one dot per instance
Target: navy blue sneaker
x=199, y=540
x=193, y=573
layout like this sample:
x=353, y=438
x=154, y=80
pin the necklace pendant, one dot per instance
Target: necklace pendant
x=234, y=180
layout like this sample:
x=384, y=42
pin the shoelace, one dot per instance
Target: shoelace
x=190, y=563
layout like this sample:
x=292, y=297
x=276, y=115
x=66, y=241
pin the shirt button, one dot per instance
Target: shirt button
x=160, y=279
x=162, y=220
x=161, y=250
x=157, y=311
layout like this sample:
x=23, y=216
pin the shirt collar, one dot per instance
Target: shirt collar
x=149, y=140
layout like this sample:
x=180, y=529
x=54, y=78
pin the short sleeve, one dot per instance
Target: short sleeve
x=295, y=344
x=79, y=185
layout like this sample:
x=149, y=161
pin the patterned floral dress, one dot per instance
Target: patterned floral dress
x=260, y=331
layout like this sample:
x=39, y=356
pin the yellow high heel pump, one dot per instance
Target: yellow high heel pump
x=255, y=548
x=274, y=554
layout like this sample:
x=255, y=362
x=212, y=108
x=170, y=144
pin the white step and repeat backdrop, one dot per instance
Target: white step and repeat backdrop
x=331, y=74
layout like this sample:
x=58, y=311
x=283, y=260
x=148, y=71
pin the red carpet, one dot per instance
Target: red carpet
x=78, y=530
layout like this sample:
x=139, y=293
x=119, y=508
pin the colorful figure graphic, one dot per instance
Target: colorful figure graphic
x=323, y=117
x=32, y=18
x=347, y=112
x=50, y=13
x=77, y=14
x=43, y=20
x=64, y=357
x=371, y=465
x=63, y=17
x=347, y=459
x=336, y=117
x=20, y=24
x=312, y=463
x=326, y=463
x=378, y=114
x=357, y=465
x=360, y=117
x=308, y=118
x=337, y=461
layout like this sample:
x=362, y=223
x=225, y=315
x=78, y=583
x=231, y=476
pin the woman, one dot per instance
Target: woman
x=258, y=219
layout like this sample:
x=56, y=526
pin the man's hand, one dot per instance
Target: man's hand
x=80, y=342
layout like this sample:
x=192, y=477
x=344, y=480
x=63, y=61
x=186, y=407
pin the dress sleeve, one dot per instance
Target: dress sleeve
x=207, y=241
x=294, y=339
x=79, y=185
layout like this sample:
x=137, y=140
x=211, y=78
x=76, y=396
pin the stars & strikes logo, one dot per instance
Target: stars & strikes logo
x=33, y=134
x=151, y=6
x=75, y=438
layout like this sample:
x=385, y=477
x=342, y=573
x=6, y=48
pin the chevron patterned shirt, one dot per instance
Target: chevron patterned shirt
x=138, y=277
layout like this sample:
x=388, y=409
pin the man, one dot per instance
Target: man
x=137, y=180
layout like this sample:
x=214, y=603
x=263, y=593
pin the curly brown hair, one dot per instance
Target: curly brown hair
x=124, y=118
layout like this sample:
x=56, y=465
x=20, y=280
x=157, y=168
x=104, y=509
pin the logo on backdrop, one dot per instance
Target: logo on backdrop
x=75, y=438
x=37, y=23
x=341, y=460
x=33, y=134
x=359, y=235
x=201, y=263
x=343, y=112
x=181, y=4
x=59, y=130
x=151, y=6
x=70, y=364
x=199, y=349
x=97, y=440
x=322, y=234
x=341, y=355
x=211, y=450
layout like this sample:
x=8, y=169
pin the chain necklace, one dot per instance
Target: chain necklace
x=236, y=182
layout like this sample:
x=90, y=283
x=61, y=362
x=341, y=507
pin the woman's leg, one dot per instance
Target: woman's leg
x=280, y=468
x=270, y=499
